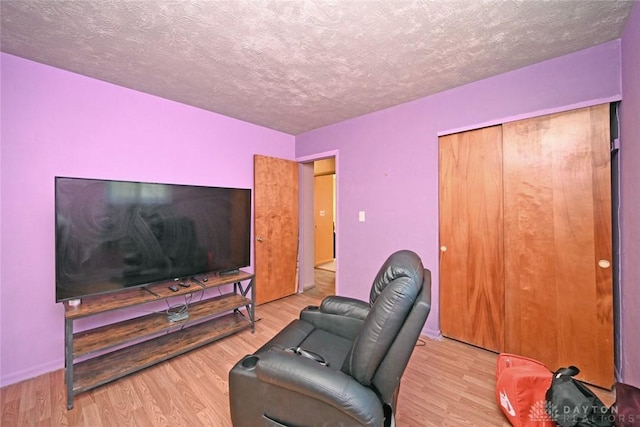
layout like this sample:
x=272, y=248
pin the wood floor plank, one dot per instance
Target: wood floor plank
x=9, y=410
x=447, y=383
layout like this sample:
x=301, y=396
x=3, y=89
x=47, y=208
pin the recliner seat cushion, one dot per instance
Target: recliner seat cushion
x=298, y=333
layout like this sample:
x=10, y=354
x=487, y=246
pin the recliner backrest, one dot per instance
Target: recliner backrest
x=393, y=296
x=386, y=380
x=403, y=263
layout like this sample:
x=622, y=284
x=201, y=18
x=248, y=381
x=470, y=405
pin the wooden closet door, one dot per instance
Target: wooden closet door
x=557, y=248
x=471, y=257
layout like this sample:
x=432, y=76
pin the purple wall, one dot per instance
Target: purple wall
x=58, y=123
x=388, y=160
x=630, y=201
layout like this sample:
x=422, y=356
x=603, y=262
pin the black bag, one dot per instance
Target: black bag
x=570, y=403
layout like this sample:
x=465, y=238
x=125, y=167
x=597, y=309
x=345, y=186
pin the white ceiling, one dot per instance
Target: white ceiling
x=301, y=64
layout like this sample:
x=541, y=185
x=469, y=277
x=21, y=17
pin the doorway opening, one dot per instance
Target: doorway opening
x=318, y=226
x=324, y=213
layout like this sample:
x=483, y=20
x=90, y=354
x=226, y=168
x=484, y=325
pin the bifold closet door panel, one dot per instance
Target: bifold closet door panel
x=471, y=239
x=557, y=247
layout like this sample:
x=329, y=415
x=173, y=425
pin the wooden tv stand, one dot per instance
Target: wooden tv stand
x=124, y=347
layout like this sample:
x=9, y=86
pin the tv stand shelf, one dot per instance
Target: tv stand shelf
x=140, y=342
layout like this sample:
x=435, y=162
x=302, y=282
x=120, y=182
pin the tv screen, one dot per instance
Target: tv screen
x=112, y=235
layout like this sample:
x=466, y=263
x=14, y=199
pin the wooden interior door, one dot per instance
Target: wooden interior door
x=471, y=257
x=323, y=219
x=275, y=227
x=557, y=214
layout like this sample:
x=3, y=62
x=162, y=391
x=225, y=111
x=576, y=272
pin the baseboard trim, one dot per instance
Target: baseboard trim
x=32, y=372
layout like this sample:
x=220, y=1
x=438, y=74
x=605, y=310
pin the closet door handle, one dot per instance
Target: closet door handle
x=603, y=263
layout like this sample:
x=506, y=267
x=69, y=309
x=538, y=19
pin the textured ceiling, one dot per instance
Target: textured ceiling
x=301, y=64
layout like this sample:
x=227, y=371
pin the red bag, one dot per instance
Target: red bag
x=521, y=385
x=627, y=407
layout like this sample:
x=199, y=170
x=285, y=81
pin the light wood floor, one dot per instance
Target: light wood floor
x=447, y=383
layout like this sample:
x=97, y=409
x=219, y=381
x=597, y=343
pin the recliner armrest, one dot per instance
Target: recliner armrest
x=305, y=376
x=340, y=316
x=345, y=306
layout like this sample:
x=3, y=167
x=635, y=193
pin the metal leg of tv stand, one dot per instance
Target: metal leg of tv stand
x=253, y=305
x=68, y=360
x=250, y=308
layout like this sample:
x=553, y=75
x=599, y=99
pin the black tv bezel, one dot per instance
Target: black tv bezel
x=154, y=282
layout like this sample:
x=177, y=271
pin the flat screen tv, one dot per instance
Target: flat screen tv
x=112, y=235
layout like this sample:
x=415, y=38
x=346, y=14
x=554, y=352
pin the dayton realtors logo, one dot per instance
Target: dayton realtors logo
x=542, y=411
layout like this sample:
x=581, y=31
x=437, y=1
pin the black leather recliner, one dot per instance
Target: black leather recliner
x=339, y=364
